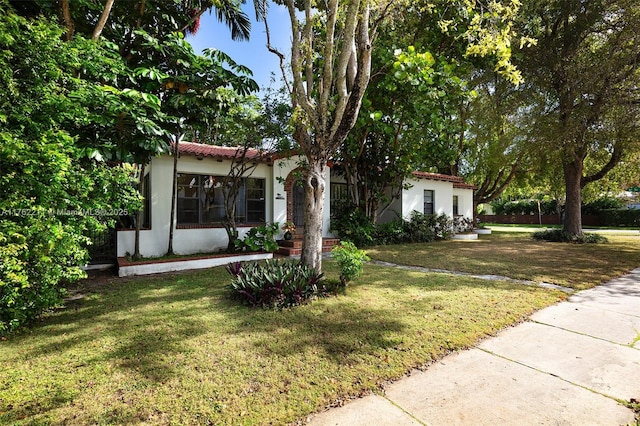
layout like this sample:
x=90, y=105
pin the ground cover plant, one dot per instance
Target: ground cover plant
x=175, y=349
x=560, y=236
x=274, y=283
x=517, y=255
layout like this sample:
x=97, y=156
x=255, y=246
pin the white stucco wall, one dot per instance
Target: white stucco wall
x=154, y=242
x=465, y=202
x=413, y=198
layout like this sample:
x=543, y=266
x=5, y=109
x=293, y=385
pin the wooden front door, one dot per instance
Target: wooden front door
x=298, y=204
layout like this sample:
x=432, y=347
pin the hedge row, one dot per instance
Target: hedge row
x=620, y=217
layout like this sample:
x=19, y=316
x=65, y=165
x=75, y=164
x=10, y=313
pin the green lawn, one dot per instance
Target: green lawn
x=516, y=255
x=174, y=349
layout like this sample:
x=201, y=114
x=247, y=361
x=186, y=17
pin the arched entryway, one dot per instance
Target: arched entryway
x=294, y=188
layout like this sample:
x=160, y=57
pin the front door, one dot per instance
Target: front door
x=298, y=204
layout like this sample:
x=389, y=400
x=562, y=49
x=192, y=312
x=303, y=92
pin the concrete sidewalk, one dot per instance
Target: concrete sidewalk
x=571, y=364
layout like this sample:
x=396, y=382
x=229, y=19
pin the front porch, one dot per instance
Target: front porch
x=294, y=247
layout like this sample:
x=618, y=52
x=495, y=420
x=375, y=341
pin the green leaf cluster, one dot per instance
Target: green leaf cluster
x=350, y=259
x=54, y=191
x=260, y=238
x=274, y=283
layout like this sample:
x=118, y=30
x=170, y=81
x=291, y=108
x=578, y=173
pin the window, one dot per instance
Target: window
x=338, y=193
x=428, y=201
x=455, y=205
x=201, y=200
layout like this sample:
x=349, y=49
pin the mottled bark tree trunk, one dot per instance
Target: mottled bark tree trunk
x=315, y=184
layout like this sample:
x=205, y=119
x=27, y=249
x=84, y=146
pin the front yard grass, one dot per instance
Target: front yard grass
x=517, y=255
x=173, y=349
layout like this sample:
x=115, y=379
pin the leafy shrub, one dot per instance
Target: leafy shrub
x=350, y=260
x=260, y=238
x=274, y=284
x=352, y=224
x=601, y=205
x=390, y=232
x=560, y=236
x=41, y=246
x=462, y=225
x=620, y=217
x=424, y=228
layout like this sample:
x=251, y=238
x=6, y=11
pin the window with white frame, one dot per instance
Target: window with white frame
x=455, y=205
x=428, y=201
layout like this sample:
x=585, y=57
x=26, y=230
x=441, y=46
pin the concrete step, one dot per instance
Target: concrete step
x=294, y=247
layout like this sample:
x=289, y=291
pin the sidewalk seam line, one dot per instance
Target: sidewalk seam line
x=624, y=345
x=403, y=410
x=550, y=374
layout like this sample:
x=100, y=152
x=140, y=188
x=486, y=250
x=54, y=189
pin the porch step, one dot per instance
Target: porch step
x=294, y=247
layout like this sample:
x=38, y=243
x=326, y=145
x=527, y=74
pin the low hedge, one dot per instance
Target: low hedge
x=620, y=217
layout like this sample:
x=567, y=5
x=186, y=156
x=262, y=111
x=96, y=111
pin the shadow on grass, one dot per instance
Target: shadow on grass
x=141, y=333
x=331, y=329
x=148, y=328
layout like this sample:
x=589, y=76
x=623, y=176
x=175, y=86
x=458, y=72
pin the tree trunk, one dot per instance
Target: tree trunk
x=314, y=203
x=67, y=20
x=136, y=250
x=102, y=21
x=573, y=205
x=174, y=195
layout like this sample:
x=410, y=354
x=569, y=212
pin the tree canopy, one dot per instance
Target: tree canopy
x=583, y=75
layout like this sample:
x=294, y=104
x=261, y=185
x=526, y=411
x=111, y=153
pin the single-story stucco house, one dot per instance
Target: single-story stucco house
x=268, y=195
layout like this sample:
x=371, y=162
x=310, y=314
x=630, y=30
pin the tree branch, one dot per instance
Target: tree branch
x=102, y=21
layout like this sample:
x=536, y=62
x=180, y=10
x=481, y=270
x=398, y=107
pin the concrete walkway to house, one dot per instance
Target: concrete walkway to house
x=573, y=363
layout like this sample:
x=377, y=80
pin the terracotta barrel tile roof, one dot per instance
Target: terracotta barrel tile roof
x=458, y=182
x=438, y=176
x=203, y=150
x=464, y=186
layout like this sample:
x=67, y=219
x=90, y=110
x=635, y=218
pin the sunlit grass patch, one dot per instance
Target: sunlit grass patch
x=517, y=255
x=176, y=349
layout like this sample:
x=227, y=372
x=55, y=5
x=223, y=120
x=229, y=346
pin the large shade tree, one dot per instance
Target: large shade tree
x=585, y=70
x=330, y=69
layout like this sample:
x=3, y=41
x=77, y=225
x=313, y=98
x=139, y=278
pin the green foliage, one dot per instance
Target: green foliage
x=350, y=260
x=54, y=190
x=561, y=236
x=274, y=284
x=260, y=238
x=424, y=228
x=602, y=205
x=49, y=201
x=549, y=207
x=620, y=217
x=523, y=207
x=351, y=224
x=390, y=233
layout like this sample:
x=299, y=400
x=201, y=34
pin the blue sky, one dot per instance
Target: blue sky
x=252, y=53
